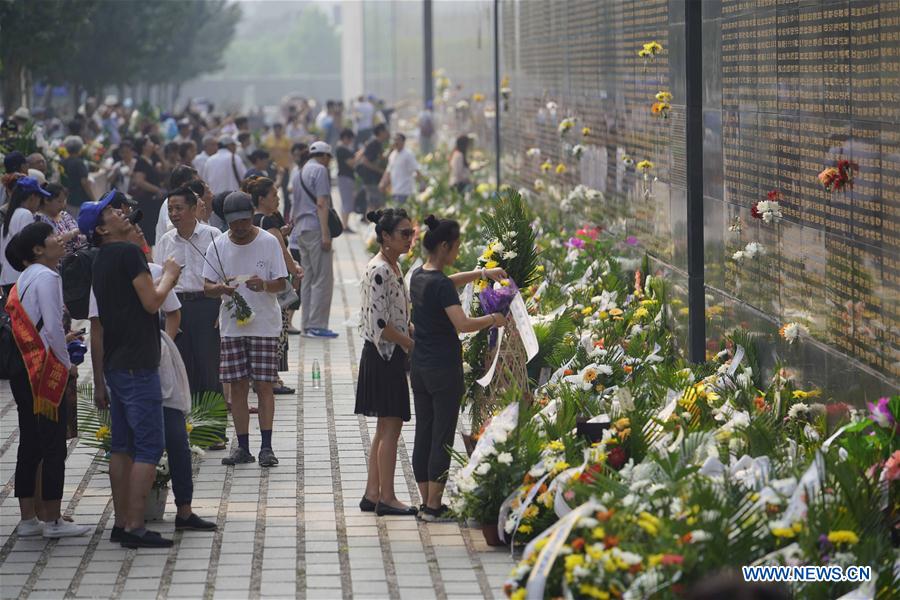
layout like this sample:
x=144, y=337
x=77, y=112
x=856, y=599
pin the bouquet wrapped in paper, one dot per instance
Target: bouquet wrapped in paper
x=496, y=299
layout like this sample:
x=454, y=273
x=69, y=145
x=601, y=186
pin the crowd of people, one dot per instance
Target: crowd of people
x=189, y=268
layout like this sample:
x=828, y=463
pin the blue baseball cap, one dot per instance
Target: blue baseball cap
x=32, y=185
x=89, y=216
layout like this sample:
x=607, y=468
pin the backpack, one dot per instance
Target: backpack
x=76, y=271
x=11, y=363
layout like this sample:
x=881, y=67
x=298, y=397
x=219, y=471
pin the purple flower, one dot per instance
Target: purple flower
x=880, y=413
x=631, y=240
x=575, y=242
x=497, y=299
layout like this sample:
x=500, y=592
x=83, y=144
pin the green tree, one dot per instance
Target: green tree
x=34, y=36
x=94, y=44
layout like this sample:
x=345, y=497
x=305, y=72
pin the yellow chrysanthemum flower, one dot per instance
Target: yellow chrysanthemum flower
x=560, y=169
x=555, y=446
x=843, y=536
x=585, y=131
x=783, y=532
x=546, y=166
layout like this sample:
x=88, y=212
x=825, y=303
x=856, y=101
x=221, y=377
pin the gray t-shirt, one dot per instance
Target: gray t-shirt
x=317, y=180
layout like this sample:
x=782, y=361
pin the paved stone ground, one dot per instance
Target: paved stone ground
x=294, y=531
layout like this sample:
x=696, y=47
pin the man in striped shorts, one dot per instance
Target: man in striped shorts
x=247, y=265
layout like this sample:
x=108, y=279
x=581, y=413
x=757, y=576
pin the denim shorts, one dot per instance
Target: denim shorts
x=136, y=410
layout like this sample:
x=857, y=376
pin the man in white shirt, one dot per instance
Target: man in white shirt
x=365, y=119
x=224, y=171
x=247, y=265
x=402, y=171
x=209, y=148
x=187, y=243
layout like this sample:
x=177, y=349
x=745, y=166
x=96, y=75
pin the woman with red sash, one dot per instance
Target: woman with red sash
x=35, y=307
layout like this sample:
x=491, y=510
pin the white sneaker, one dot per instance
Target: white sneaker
x=30, y=527
x=61, y=529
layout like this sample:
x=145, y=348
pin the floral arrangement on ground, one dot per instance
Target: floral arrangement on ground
x=620, y=470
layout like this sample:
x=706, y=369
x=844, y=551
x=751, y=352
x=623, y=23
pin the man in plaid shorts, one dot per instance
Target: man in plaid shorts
x=247, y=265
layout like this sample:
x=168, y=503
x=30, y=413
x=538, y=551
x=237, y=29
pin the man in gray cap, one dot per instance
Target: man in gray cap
x=224, y=171
x=247, y=265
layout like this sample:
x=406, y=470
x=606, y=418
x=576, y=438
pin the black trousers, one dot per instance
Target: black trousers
x=437, y=393
x=198, y=343
x=40, y=439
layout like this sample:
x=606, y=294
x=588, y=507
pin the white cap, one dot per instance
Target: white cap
x=22, y=113
x=319, y=148
x=111, y=100
x=37, y=175
x=226, y=140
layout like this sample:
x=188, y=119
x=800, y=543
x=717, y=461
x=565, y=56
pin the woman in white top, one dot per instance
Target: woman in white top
x=37, y=299
x=460, y=175
x=382, y=390
x=24, y=202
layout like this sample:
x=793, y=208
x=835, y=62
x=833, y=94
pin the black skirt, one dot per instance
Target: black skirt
x=382, y=389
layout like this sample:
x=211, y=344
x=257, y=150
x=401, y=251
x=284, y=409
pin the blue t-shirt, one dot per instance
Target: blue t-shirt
x=315, y=177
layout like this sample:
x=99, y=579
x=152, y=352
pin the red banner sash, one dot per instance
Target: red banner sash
x=46, y=373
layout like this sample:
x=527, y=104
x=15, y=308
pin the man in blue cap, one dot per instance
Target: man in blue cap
x=128, y=304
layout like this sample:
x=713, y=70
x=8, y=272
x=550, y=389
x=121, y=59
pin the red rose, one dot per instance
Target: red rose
x=617, y=458
x=754, y=212
x=589, y=474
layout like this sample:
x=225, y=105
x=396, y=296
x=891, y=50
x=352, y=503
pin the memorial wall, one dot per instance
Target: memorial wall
x=791, y=88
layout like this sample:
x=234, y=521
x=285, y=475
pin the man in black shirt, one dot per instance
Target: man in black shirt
x=76, y=175
x=128, y=304
x=370, y=167
x=346, y=181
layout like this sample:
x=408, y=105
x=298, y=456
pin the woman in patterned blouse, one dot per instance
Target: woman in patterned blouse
x=52, y=211
x=382, y=390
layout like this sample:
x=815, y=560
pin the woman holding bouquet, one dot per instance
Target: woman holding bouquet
x=382, y=390
x=437, y=372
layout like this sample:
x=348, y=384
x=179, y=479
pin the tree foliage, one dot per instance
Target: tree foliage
x=92, y=44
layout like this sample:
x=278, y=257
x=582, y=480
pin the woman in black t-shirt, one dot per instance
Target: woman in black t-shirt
x=146, y=185
x=264, y=196
x=437, y=373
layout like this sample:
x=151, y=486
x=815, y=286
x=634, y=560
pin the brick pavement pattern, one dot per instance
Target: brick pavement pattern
x=293, y=531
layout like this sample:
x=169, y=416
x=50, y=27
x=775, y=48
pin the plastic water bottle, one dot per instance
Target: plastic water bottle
x=316, y=375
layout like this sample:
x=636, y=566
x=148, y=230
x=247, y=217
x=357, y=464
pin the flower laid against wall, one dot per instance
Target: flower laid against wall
x=791, y=332
x=650, y=50
x=565, y=125
x=840, y=176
